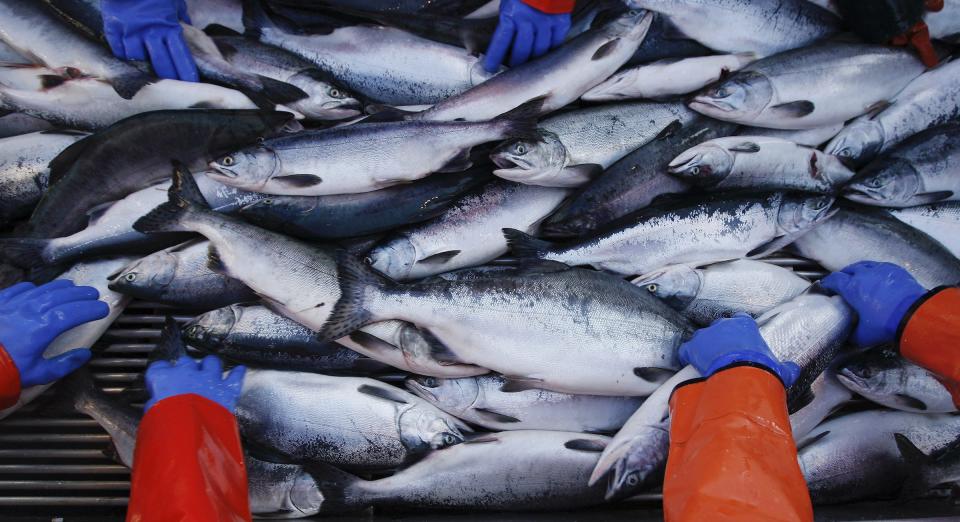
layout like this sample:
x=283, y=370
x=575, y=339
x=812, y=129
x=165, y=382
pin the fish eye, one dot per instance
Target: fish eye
x=368, y=260
x=695, y=171
x=633, y=480
x=520, y=148
x=268, y=201
x=721, y=92
x=227, y=161
x=844, y=152
x=261, y=140
x=875, y=183
x=335, y=93
x=449, y=439
x=430, y=382
x=131, y=277
x=652, y=288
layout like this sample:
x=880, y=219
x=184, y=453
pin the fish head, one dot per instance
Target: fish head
x=424, y=426
x=892, y=182
x=704, y=164
x=613, y=88
x=741, y=98
x=639, y=467
x=249, y=169
x=146, y=278
x=210, y=330
x=531, y=160
x=327, y=100
x=395, y=258
x=448, y=394
x=857, y=143
x=800, y=212
x=677, y=285
x=632, y=25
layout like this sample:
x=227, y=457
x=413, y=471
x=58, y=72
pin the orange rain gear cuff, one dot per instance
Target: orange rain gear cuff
x=551, y=6
x=9, y=380
x=930, y=336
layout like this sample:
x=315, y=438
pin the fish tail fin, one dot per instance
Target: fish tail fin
x=281, y=92
x=256, y=18
x=170, y=346
x=349, y=313
x=341, y=491
x=129, y=84
x=185, y=198
x=521, y=122
x=23, y=252
x=524, y=245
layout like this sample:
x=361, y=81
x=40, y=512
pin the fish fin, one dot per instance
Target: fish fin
x=926, y=198
x=220, y=30
x=653, y=375
x=348, y=314
x=129, y=84
x=299, y=180
x=608, y=459
x=338, y=488
x=524, y=245
x=794, y=109
x=214, y=261
x=50, y=81
x=519, y=384
x=747, y=147
x=912, y=402
x=23, y=252
x=170, y=347
x=604, y=50
x=669, y=130
x=458, y=163
x=533, y=267
x=281, y=92
x=385, y=393
x=440, y=258
x=65, y=132
x=481, y=438
x=589, y=445
x=61, y=163
x=915, y=461
x=878, y=107
x=522, y=120
x=810, y=442
x=588, y=171
x=441, y=352
x=371, y=342
x=492, y=416
x=771, y=246
x=204, y=105
x=97, y=212
x=184, y=198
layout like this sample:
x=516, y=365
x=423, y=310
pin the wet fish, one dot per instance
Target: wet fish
x=88, y=273
x=930, y=100
x=892, y=381
x=178, y=276
x=252, y=334
x=574, y=147
x=758, y=163
x=327, y=99
x=469, y=233
x=88, y=103
x=706, y=231
x=34, y=32
x=135, y=153
x=664, y=41
x=856, y=456
x=670, y=77
x=15, y=124
x=811, y=87
x=227, y=13
x=809, y=137
x=24, y=172
x=865, y=234
x=386, y=64
x=705, y=294
x=557, y=78
x=352, y=215
x=809, y=330
x=828, y=396
x=945, y=23
x=923, y=169
x=482, y=401
x=364, y=158
x=365, y=424
x=734, y=26
x=501, y=471
x=633, y=182
x=941, y=221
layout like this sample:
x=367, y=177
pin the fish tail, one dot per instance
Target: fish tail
x=349, y=313
x=341, y=491
x=23, y=252
x=170, y=347
x=185, y=198
x=524, y=245
x=281, y=92
x=129, y=84
x=521, y=122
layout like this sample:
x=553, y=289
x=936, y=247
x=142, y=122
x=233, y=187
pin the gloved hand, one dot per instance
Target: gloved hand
x=881, y=293
x=528, y=31
x=31, y=317
x=136, y=29
x=733, y=340
x=204, y=378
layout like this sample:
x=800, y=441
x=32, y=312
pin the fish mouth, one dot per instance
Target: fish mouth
x=862, y=196
x=420, y=390
x=220, y=171
x=851, y=380
x=710, y=104
x=505, y=163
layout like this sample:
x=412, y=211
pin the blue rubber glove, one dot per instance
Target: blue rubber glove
x=881, y=293
x=31, y=317
x=136, y=29
x=528, y=31
x=733, y=340
x=204, y=378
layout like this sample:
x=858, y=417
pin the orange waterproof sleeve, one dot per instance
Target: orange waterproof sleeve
x=732, y=455
x=930, y=336
x=188, y=464
x=9, y=380
x=551, y=6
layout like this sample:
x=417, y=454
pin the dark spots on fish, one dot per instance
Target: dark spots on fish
x=912, y=402
x=49, y=81
x=320, y=305
x=747, y=147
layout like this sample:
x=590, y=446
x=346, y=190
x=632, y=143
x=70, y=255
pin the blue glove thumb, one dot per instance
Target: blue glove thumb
x=56, y=368
x=789, y=372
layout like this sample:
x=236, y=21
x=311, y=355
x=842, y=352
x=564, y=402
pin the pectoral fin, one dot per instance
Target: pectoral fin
x=794, y=109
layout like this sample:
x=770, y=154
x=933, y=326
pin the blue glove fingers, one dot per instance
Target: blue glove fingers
x=70, y=315
x=558, y=32
x=522, y=44
x=134, y=47
x=860, y=266
x=159, y=55
x=40, y=291
x=499, y=45
x=113, y=32
x=235, y=377
x=58, y=367
x=836, y=282
x=212, y=364
x=67, y=295
x=541, y=42
x=9, y=293
x=182, y=13
x=186, y=360
x=182, y=59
